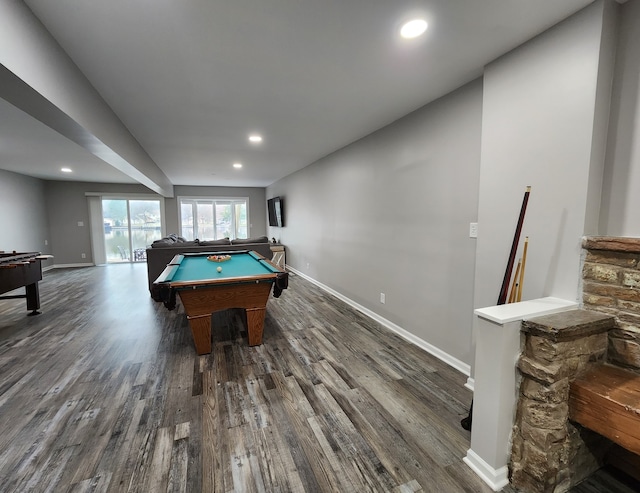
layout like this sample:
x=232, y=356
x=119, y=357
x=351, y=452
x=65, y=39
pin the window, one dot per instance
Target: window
x=213, y=219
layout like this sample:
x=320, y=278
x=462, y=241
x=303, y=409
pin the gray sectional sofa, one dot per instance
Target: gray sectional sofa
x=160, y=253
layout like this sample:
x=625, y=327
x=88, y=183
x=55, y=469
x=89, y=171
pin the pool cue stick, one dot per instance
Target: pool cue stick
x=466, y=422
x=524, y=261
x=502, y=298
x=514, y=285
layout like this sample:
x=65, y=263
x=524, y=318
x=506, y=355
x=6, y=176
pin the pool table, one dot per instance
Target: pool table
x=244, y=281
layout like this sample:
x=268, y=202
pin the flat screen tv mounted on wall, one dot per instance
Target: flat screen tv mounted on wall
x=275, y=207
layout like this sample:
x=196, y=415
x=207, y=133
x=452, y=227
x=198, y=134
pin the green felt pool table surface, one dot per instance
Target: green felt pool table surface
x=196, y=268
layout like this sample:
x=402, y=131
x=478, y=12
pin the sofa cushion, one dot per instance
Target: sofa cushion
x=245, y=241
x=163, y=242
x=223, y=241
x=173, y=240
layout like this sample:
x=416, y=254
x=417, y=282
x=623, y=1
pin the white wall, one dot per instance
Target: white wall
x=23, y=214
x=539, y=112
x=621, y=191
x=390, y=213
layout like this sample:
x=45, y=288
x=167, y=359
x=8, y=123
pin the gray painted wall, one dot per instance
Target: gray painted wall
x=66, y=207
x=539, y=115
x=621, y=191
x=23, y=214
x=410, y=190
x=390, y=214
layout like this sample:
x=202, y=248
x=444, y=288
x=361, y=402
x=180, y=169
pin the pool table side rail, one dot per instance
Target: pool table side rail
x=225, y=280
x=177, y=260
x=231, y=253
x=168, y=273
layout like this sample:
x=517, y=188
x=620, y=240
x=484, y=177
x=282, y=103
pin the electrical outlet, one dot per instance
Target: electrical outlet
x=84, y=255
x=46, y=242
x=383, y=298
x=473, y=230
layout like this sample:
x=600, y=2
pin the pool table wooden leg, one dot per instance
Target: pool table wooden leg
x=201, y=331
x=255, y=325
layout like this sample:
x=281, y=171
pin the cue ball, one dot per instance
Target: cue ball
x=219, y=269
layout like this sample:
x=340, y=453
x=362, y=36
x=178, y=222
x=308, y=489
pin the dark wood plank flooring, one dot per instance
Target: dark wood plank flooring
x=103, y=392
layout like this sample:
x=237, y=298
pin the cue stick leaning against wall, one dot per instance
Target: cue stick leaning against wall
x=502, y=298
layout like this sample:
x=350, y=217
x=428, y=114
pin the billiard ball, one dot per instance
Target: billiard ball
x=219, y=269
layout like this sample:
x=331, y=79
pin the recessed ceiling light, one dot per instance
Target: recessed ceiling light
x=66, y=170
x=237, y=165
x=413, y=29
x=255, y=138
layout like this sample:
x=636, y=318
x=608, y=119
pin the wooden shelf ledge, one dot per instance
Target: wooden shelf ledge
x=606, y=400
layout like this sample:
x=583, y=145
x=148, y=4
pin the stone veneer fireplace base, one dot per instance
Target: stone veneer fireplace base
x=549, y=453
x=611, y=285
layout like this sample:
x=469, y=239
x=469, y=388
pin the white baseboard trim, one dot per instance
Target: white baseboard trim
x=471, y=382
x=462, y=367
x=67, y=266
x=495, y=478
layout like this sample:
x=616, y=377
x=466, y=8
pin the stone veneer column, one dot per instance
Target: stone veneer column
x=548, y=452
x=611, y=276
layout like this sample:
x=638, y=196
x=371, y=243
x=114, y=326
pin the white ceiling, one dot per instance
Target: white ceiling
x=191, y=79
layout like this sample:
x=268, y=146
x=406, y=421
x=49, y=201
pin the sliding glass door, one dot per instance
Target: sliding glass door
x=130, y=225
